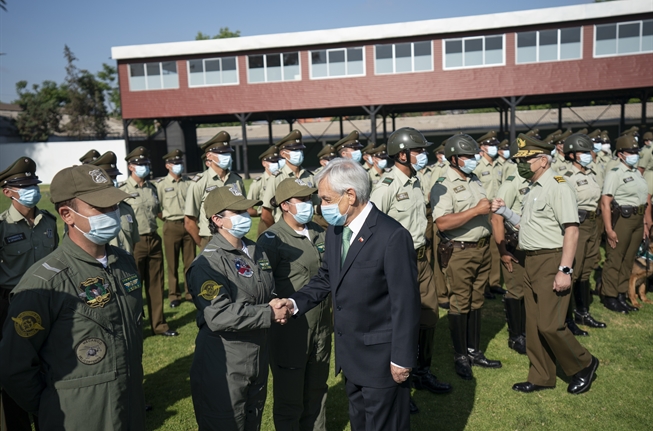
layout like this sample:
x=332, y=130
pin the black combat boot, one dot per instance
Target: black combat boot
x=422, y=377
x=458, y=328
x=621, y=298
x=582, y=314
x=569, y=320
x=476, y=356
x=516, y=339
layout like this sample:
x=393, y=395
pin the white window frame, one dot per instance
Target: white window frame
x=265, y=67
x=537, y=47
x=462, y=39
x=346, y=75
x=204, y=72
x=412, y=59
x=641, y=30
x=160, y=74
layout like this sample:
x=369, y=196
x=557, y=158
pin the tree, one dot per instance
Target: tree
x=108, y=78
x=41, y=110
x=224, y=33
x=86, y=109
x=3, y=5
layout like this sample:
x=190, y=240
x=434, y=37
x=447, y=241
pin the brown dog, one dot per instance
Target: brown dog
x=641, y=271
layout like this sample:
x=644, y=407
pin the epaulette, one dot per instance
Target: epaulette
x=559, y=179
x=49, y=214
x=440, y=180
x=158, y=180
x=615, y=169
x=387, y=180
x=122, y=183
x=49, y=268
x=258, y=179
x=196, y=178
x=568, y=174
x=510, y=178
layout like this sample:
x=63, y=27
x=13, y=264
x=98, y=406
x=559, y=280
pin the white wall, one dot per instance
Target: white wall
x=51, y=157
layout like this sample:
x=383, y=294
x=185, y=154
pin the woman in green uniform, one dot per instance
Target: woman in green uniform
x=300, y=350
x=231, y=283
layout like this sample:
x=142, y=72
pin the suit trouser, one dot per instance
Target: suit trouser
x=149, y=261
x=619, y=260
x=175, y=240
x=547, y=337
x=467, y=275
x=587, y=250
x=514, y=280
x=378, y=409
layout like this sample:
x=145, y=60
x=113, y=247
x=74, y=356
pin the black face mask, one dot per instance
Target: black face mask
x=524, y=170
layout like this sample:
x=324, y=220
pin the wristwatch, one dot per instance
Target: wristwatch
x=565, y=270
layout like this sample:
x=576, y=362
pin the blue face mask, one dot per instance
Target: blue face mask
x=296, y=158
x=142, y=170
x=28, y=196
x=421, y=159
x=104, y=227
x=115, y=183
x=492, y=151
x=304, y=212
x=597, y=146
x=585, y=159
x=356, y=155
x=477, y=157
x=240, y=225
x=381, y=164
x=469, y=166
x=554, y=152
x=282, y=163
x=224, y=161
x=632, y=159
x=177, y=169
x=273, y=167
x=331, y=214
x=505, y=154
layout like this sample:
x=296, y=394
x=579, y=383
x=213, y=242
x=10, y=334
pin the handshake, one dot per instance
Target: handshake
x=282, y=309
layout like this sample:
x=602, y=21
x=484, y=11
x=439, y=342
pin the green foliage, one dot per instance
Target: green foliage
x=41, y=110
x=108, y=77
x=3, y=5
x=146, y=126
x=224, y=33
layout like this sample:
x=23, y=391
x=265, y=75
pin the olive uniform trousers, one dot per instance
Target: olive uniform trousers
x=587, y=250
x=441, y=288
x=467, y=275
x=176, y=239
x=619, y=260
x=149, y=261
x=428, y=296
x=515, y=280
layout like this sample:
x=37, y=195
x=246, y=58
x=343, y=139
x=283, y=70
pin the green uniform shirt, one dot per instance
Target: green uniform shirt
x=512, y=191
x=257, y=187
x=438, y=171
x=507, y=168
x=375, y=176
x=599, y=172
x=172, y=195
x=273, y=182
x=201, y=185
x=626, y=185
x=145, y=204
x=585, y=186
x=646, y=158
x=559, y=164
x=548, y=206
x=602, y=158
x=488, y=174
x=424, y=177
x=128, y=235
x=72, y=347
x=454, y=194
x=613, y=163
x=401, y=198
x=21, y=245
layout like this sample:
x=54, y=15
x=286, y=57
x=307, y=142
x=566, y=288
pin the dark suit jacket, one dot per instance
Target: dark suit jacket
x=376, y=300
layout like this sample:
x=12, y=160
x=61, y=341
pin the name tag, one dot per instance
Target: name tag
x=523, y=191
x=581, y=182
x=170, y=189
x=402, y=196
x=485, y=173
x=134, y=195
x=629, y=179
x=264, y=264
x=459, y=189
x=131, y=283
x=208, y=189
x=320, y=247
x=15, y=238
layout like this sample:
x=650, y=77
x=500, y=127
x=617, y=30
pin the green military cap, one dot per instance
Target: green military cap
x=559, y=139
x=327, y=153
x=292, y=188
x=218, y=144
x=270, y=155
x=581, y=132
x=632, y=131
x=21, y=173
x=88, y=183
x=605, y=136
x=174, y=156
x=368, y=148
x=534, y=133
x=528, y=146
x=89, y=156
x=140, y=156
x=227, y=198
x=627, y=143
x=380, y=152
x=550, y=137
x=595, y=135
x=107, y=161
x=648, y=136
x=349, y=141
x=292, y=141
x=490, y=138
x=505, y=144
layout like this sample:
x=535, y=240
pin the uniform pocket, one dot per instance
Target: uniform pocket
x=82, y=382
x=377, y=337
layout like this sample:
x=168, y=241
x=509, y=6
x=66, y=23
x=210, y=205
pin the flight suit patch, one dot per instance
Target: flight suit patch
x=169, y=189
x=129, y=218
x=15, y=238
x=402, y=196
x=581, y=182
x=27, y=324
x=210, y=290
x=458, y=189
x=629, y=179
x=485, y=173
x=49, y=233
x=387, y=181
x=264, y=264
x=208, y=189
x=131, y=283
x=320, y=247
x=94, y=292
x=243, y=268
x=91, y=351
x=559, y=179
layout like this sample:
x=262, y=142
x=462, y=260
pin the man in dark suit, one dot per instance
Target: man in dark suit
x=371, y=273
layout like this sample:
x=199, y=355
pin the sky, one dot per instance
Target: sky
x=33, y=32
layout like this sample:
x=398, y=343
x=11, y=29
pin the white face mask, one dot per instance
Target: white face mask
x=606, y=148
x=273, y=167
x=381, y=164
x=177, y=169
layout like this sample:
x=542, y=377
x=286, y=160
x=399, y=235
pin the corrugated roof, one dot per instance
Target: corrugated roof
x=387, y=31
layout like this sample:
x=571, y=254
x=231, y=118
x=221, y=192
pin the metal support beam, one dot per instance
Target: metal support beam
x=243, y=123
x=644, y=98
x=125, y=128
x=270, y=138
x=560, y=116
x=385, y=127
x=512, y=104
x=290, y=121
x=501, y=130
x=342, y=132
x=622, y=119
x=393, y=121
x=372, y=110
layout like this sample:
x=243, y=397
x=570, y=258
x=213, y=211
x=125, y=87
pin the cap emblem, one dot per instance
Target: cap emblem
x=297, y=141
x=300, y=182
x=98, y=176
x=234, y=190
x=521, y=143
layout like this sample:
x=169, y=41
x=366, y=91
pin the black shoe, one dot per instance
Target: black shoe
x=463, y=368
x=621, y=298
x=412, y=407
x=498, y=290
x=528, y=387
x=489, y=295
x=169, y=333
x=476, y=357
x=430, y=382
x=585, y=318
x=148, y=407
x=612, y=304
x=444, y=305
x=518, y=344
x=575, y=329
x=175, y=303
x=582, y=380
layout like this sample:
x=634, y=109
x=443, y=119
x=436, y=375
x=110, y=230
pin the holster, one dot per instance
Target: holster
x=511, y=235
x=615, y=212
x=582, y=215
x=445, y=250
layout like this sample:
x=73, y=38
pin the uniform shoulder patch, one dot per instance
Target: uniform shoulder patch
x=122, y=184
x=568, y=174
x=258, y=179
x=210, y=290
x=158, y=180
x=387, y=180
x=27, y=324
x=559, y=179
x=48, y=269
x=440, y=180
x=510, y=178
x=196, y=178
x=614, y=169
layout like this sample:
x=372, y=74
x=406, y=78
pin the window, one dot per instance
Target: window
x=332, y=63
x=153, y=76
x=212, y=71
x=473, y=52
x=403, y=58
x=273, y=67
x=623, y=38
x=549, y=45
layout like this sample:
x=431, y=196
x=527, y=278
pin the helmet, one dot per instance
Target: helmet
x=460, y=145
x=405, y=138
x=577, y=142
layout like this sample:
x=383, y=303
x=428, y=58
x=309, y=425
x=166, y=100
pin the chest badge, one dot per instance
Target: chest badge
x=27, y=324
x=264, y=264
x=94, y=291
x=91, y=351
x=243, y=268
x=320, y=247
x=131, y=283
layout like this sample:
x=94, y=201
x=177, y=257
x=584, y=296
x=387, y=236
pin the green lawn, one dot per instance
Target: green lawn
x=621, y=398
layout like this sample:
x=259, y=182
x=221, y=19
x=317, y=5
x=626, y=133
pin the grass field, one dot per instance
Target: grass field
x=620, y=399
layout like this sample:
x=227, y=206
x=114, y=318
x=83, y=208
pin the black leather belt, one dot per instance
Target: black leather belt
x=542, y=251
x=465, y=244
